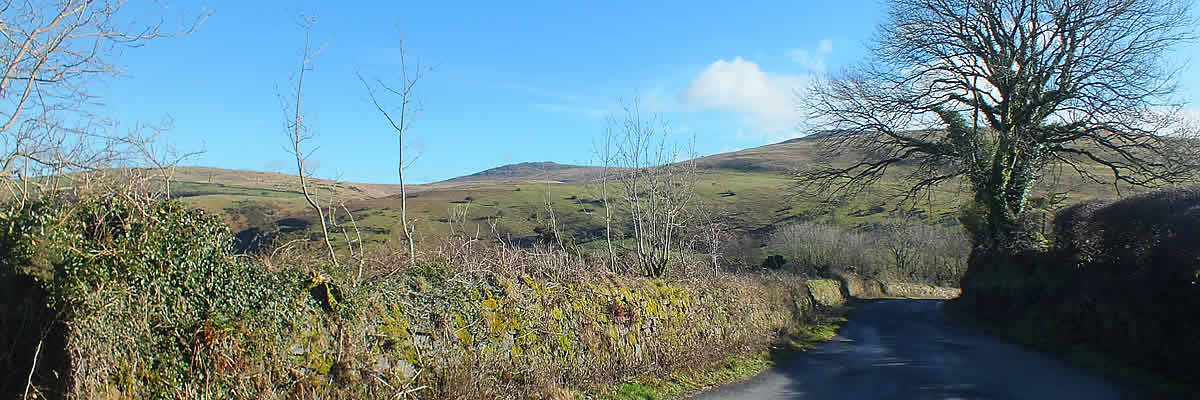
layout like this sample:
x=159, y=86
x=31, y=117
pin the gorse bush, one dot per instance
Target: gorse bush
x=932, y=254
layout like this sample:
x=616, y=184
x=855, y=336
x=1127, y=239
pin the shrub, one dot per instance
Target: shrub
x=164, y=268
x=773, y=262
x=932, y=254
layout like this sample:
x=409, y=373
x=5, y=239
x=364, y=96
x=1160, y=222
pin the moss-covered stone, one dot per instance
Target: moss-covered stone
x=826, y=292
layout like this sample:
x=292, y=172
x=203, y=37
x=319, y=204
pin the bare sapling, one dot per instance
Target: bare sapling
x=298, y=133
x=713, y=231
x=558, y=238
x=158, y=153
x=333, y=203
x=400, y=119
x=605, y=153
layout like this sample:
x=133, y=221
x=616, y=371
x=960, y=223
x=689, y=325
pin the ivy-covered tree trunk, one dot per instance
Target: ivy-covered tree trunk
x=1001, y=172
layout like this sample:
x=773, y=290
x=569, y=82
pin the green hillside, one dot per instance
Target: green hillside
x=749, y=186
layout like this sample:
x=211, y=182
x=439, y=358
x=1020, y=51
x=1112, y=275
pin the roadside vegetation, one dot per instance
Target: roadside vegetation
x=143, y=298
x=890, y=251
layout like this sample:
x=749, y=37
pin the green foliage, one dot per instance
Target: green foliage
x=161, y=264
x=635, y=391
x=162, y=249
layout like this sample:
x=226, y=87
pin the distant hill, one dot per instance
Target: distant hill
x=777, y=157
x=510, y=201
x=526, y=172
x=199, y=176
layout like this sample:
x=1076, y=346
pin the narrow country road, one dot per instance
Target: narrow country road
x=906, y=349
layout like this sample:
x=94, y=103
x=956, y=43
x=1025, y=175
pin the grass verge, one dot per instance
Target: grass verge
x=686, y=383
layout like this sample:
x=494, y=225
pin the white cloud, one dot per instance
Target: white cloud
x=814, y=62
x=766, y=100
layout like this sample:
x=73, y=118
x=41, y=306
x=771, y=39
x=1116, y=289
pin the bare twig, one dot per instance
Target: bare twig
x=29, y=382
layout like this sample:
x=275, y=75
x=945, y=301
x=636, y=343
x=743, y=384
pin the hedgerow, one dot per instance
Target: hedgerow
x=143, y=299
x=1120, y=279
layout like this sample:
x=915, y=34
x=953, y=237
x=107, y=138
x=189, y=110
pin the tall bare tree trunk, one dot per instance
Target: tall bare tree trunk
x=298, y=135
x=612, y=254
x=409, y=107
x=412, y=248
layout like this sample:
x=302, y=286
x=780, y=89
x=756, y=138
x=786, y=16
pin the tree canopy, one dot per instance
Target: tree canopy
x=992, y=91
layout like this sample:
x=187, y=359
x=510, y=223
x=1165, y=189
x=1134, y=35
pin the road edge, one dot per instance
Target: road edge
x=688, y=383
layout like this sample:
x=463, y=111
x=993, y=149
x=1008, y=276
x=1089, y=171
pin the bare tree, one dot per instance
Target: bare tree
x=655, y=186
x=52, y=54
x=607, y=155
x=713, y=230
x=552, y=230
x=162, y=157
x=994, y=90
x=400, y=118
x=298, y=133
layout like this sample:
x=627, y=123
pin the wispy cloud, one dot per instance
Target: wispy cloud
x=1191, y=114
x=814, y=62
x=556, y=101
x=729, y=149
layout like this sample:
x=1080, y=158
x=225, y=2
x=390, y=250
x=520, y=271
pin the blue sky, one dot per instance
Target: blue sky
x=515, y=81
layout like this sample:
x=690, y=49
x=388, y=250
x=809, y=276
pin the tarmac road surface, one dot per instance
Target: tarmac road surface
x=906, y=349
